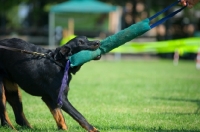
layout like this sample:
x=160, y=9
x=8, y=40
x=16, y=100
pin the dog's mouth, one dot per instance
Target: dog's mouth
x=97, y=58
x=95, y=45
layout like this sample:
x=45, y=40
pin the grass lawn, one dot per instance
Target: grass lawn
x=126, y=96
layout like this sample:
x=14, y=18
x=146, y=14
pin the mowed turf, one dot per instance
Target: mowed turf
x=126, y=96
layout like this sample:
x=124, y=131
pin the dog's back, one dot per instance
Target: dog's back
x=18, y=44
x=26, y=69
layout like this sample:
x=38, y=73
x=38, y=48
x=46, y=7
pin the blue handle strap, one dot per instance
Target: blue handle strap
x=168, y=16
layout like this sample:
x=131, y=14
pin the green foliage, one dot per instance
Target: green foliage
x=126, y=96
x=13, y=17
x=83, y=21
x=7, y=4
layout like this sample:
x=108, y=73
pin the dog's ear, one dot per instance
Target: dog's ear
x=62, y=52
x=65, y=51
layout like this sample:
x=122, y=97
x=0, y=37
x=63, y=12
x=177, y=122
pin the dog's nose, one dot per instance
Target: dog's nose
x=97, y=43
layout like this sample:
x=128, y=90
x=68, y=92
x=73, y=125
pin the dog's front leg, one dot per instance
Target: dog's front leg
x=67, y=107
x=13, y=97
x=56, y=112
x=3, y=113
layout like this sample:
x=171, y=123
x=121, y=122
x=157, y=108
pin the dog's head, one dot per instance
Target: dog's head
x=75, y=45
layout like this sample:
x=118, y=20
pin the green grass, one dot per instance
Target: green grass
x=127, y=96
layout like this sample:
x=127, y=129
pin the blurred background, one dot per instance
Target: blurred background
x=52, y=23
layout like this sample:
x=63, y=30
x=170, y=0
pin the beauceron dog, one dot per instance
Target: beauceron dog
x=39, y=72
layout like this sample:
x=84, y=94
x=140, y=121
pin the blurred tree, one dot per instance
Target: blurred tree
x=4, y=7
x=37, y=16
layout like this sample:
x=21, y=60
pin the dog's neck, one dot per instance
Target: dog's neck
x=60, y=55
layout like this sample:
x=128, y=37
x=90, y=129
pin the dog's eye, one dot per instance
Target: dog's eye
x=81, y=42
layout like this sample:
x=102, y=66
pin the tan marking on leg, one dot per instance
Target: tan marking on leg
x=13, y=87
x=5, y=112
x=58, y=116
x=10, y=86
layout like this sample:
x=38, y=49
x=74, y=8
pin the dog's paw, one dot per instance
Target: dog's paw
x=94, y=130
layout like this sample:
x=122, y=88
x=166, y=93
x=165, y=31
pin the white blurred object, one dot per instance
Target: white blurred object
x=176, y=58
x=198, y=60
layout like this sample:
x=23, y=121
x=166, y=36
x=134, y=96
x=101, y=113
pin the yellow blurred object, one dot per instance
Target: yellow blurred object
x=64, y=40
x=67, y=36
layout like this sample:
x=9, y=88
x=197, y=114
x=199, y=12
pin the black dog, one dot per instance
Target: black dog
x=38, y=75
